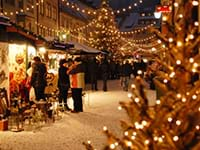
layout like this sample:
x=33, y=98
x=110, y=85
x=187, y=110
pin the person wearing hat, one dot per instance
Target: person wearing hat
x=77, y=82
x=38, y=78
x=63, y=83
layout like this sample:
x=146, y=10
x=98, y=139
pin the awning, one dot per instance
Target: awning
x=56, y=45
x=81, y=49
x=17, y=33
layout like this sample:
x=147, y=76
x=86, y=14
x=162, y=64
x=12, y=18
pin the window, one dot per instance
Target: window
x=41, y=8
x=11, y=2
x=48, y=10
x=54, y=13
x=21, y=4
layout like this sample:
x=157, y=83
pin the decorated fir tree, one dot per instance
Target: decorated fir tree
x=104, y=34
x=174, y=121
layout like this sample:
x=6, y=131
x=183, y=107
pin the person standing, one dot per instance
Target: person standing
x=77, y=82
x=93, y=71
x=63, y=83
x=126, y=73
x=38, y=78
x=105, y=73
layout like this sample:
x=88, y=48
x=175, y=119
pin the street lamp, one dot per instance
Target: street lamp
x=157, y=15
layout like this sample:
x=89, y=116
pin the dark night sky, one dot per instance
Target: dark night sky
x=117, y=4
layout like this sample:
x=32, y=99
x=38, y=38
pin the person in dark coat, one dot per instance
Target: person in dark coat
x=38, y=78
x=63, y=83
x=93, y=67
x=126, y=73
x=105, y=73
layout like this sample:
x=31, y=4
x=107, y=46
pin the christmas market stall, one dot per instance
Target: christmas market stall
x=17, y=48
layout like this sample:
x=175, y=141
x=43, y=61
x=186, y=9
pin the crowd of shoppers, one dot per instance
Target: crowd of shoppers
x=73, y=74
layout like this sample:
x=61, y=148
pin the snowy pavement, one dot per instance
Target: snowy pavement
x=69, y=132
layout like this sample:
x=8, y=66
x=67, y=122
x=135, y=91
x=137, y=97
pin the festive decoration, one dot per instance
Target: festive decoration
x=105, y=35
x=174, y=121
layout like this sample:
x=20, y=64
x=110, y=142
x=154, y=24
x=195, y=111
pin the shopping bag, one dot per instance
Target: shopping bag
x=32, y=94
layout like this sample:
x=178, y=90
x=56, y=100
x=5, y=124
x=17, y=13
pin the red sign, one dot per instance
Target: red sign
x=165, y=8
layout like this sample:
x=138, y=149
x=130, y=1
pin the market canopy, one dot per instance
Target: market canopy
x=81, y=49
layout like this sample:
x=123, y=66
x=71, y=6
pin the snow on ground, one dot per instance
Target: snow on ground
x=69, y=132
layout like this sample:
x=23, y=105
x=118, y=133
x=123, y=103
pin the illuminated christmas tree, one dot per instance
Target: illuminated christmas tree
x=174, y=121
x=104, y=34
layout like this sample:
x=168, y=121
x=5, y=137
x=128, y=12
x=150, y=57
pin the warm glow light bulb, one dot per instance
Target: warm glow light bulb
x=129, y=95
x=158, y=102
x=89, y=142
x=197, y=127
x=183, y=99
x=170, y=40
x=196, y=23
x=169, y=119
x=105, y=128
x=160, y=139
x=178, y=122
x=191, y=60
x=133, y=86
x=178, y=95
x=194, y=97
x=179, y=43
x=165, y=80
x=112, y=146
x=178, y=62
x=175, y=4
x=119, y=108
x=175, y=138
x=172, y=74
x=126, y=133
x=195, y=3
x=155, y=138
x=137, y=99
x=146, y=142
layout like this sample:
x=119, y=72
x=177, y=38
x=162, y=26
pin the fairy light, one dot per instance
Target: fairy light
x=197, y=127
x=137, y=99
x=146, y=142
x=196, y=23
x=133, y=86
x=178, y=62
x=176, y=4
x=172, y=74
x=133, y=137
x=175, y=138
x=126, y=133
x=179, y=43
x=180, y=15
x=191, y=36
x=129, y=143
x=191, y=60
x=105, y=128
x=195, y=3
x=184, y=99
x=144, y=123
x=129, y=95
x=169, y=119
x=178, y=95
x=160, y=139
x=89, y=142
x=155, y=138
x=139, y=72
x=112, y=146
x=194, y=97
x=165, y=80
x=119, y=107
x=178, y=122
x=195, y=65
x=158, y=102
x=170, y=40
